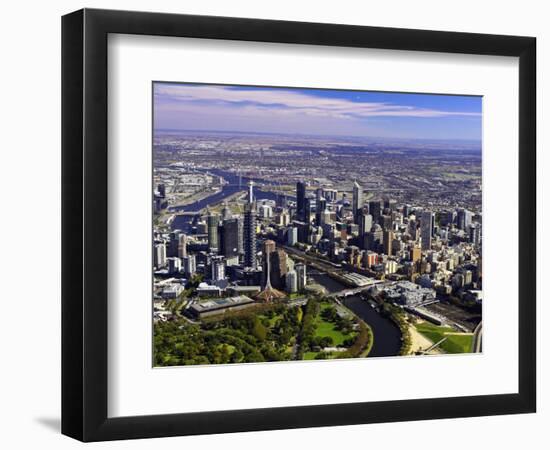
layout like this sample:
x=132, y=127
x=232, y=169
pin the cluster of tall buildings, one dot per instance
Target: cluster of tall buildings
x=377, y=237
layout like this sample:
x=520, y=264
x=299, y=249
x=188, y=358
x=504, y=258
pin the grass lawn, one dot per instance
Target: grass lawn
x=455, y=343
x=310, y=355
x=325, y=328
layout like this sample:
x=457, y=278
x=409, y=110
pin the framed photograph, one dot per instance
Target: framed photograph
x=273, y=224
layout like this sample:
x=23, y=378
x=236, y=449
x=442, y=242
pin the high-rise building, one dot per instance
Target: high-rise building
x=375, y=210
x=182, y=246
x=301, y=276
x=291, y=282
x=278, y=268
x=249, y=236
x=292, y=236
x=426, y=226
x=162, y=190
x=321, y=208
x=388, y=242
x=159, y=255
x=226, y=212
x=464, y=219
x=357, y=201
x=475, y=234
x=229, y=238
x=190, y=265
x=213, y=237
x=173, y=243
x=300, y=200
x=365, y=223
x=174, y=265
x=217, y=268
x=310, y=208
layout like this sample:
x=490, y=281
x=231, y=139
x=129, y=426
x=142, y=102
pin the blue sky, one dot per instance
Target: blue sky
x=185, y=106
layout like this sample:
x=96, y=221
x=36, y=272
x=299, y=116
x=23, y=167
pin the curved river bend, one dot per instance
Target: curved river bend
x=387, y=337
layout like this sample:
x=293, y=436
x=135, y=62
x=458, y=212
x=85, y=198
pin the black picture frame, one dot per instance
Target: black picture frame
x=84, y=224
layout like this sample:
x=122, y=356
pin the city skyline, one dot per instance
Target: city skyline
x=317, y=112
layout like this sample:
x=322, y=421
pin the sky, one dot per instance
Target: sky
x=323, y=112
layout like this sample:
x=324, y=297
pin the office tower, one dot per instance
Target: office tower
x=173, y=243
x=240, y=241
x=406, y=210
x=229, y=238
x=447, y=218
x=426, y=225
x=162, y=190
x=365, y=223
x=265, y=211
x=388, y=242
x=217, y=268
x=226, y=211
x=318, y=194
x=464, y=219
x=249, y=236
x=300, y=200
x=310, y=208
x=291, y=282
x=278, y=268
x=292, y=236
x=357, y=201
x=475, y=234
x=213, y=237
x=182, y=246
x=375, y=210
x=321, y=208
x=190, y=265
x=159, y=255
x=174, y=265
x=301, y=276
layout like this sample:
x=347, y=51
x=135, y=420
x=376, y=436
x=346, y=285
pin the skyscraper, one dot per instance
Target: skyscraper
x=190, y=265
x=182, y=246
x=229, y=238
x=300, y=200
x=365, y=223
x=464, y=219
x=159, y=255
x=357, y=203
x=302, y=276
x=249, y=236
x=375, y=210
x=388, y=241
x=217, y=268
x=426, y=226
x=213, y=237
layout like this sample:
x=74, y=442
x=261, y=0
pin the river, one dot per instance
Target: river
x=234, y=184
x=387, y=337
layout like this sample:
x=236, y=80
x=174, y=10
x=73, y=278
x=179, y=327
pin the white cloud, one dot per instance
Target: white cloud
x=280, y=101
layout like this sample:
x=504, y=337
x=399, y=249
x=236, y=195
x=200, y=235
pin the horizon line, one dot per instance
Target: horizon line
x=155, y=130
